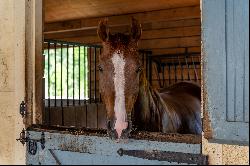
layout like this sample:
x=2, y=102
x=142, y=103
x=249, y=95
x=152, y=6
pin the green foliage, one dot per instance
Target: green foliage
x=57, y=77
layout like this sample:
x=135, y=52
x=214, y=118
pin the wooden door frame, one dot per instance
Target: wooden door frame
x=34, y=61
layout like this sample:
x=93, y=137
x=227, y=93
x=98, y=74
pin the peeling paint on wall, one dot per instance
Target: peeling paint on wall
x=3, y=73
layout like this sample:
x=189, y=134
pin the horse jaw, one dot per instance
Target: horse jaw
x=119, y=84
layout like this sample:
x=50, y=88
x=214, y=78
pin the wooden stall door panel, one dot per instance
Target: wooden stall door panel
x=70, y=149
x=225, y=39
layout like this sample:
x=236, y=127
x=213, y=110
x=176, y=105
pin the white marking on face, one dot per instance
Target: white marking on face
x=119, y=84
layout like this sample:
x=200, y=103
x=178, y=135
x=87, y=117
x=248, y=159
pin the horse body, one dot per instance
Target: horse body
x=175, y=109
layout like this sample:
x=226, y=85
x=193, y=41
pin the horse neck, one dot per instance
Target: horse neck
x=149, y=106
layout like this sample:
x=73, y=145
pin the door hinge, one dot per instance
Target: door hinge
x=23, y=109
x=32, y=143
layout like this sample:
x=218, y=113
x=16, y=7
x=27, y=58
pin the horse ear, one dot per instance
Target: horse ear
x=103, y=30
x=136, y=30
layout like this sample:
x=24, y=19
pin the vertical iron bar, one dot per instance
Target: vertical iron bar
x=196, y=76
x=95, y=73
x=186, y=52
x=61, y=84
x=175, y=75
x=100, y=97
x=79, y=83
x=169, y=77
x=90, y=97
x=163, y=75
x=84, y=74
x=67, y=74
x=73, y=75
x=187, y=67
x=49, y=79
x=55, y=72
x=61, y=73
x=181, y=68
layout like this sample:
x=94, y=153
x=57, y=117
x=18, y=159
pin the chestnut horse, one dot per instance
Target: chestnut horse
x=125, y=90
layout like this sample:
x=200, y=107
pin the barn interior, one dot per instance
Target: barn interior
x=170, y=47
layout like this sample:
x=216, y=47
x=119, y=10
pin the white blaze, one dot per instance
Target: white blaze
x=119, y=83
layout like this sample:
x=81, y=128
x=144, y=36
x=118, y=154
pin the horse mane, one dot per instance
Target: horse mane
x=152, y=108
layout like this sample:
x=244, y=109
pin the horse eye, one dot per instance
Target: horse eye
x=139, y=70
x=100, y=68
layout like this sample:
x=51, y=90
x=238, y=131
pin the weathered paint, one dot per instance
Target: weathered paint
x=12, y=53
x=99, y=150
x=225, y=51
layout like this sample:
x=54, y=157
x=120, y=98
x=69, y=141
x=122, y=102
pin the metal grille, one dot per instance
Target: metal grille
x=71, y=84
x=70, y=73
x=173, y=68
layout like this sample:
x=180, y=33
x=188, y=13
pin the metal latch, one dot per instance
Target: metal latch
x=32, y=143
x=23, y=109
x=178, y=157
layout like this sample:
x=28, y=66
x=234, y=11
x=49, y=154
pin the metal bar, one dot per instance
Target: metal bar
x=100, y=97
x=84, y=73
x=90, y=97
x=48, y=75
x=95, y=73
x=61, y=74
x=72, y=43
x=196, y=76
x=175, y=75
x=175, y=63
x=179, y=157
x=73, y=75
x=181, y=68
x=67, y=75
x=169, y=77
x=175, y=55
x=186, y=52
x=79, y=83
x=62, y=84
x=49, y=80
x=55, y=73
x=163, y=76
x=188, y=68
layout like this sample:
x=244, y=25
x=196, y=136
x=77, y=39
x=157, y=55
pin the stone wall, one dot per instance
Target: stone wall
x=224, y=154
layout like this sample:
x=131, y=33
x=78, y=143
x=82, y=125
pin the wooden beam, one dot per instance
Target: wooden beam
x=146, y=34
x=190, y=41
x=144, y=17
x=171, y=32
x=170, y=42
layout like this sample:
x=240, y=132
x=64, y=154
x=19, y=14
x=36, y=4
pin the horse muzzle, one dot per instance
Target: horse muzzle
x=115, y=133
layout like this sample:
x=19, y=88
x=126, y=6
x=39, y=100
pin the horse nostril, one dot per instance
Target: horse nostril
x=109, y=125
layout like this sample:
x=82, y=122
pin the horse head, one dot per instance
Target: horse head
x=119, y=72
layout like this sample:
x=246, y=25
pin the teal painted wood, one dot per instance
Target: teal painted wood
x=71, y=149
x=225, y=45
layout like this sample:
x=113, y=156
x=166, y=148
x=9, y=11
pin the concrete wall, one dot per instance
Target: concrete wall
x=224, y=154
x=12, y=83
